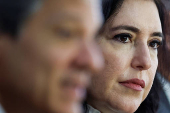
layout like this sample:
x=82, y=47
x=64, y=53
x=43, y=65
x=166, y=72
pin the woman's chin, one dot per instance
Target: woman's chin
x=125, y=107
x=127, y=110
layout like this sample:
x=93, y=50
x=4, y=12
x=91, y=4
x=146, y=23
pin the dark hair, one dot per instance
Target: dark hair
x=163, y=56
x=150, y=104
x=13, y=13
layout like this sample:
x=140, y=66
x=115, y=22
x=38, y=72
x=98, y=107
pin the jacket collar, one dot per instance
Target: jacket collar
x=1, y=109
x=92, y=110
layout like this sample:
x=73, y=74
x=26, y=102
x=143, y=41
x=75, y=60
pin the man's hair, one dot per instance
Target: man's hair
x=13, y=13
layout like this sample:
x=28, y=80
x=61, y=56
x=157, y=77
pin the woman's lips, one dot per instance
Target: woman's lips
x=134, y=84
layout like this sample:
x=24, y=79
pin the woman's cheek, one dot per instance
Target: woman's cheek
x=150, y=75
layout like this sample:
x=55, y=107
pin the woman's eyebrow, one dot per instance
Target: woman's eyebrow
x=134, y=29
x=125, y=27
x=158, y=34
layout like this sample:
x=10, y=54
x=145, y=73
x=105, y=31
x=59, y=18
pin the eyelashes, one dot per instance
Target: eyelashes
x=155, y=44
x=127, y=38
x=123, y=37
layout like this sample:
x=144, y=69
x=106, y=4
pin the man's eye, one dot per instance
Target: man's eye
x=64, y=33
x=155, y=44
x=124, y=37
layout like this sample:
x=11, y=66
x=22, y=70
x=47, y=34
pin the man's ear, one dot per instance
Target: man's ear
x=5, y=38
x=6, y=43
x=5, y=46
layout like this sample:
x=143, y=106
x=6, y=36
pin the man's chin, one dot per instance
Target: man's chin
x=67, y=108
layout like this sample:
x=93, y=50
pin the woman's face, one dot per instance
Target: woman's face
x=129, y=43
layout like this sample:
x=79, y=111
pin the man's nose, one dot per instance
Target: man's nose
x=90, y=56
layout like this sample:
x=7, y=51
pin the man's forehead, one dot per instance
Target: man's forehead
x=64, y=17
x=78, y=3
x=63, y=2
x=72, y=9
x=54, y=13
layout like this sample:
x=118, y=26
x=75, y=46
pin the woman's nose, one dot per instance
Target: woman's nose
x=141, y=59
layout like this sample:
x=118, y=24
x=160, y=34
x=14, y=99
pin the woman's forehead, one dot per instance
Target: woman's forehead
x=142, y=14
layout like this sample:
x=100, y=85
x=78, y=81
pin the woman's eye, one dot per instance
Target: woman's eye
x=124, y=37
x=155, y=44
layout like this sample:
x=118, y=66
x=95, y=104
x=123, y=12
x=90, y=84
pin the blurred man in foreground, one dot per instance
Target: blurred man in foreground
x=47, y=52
